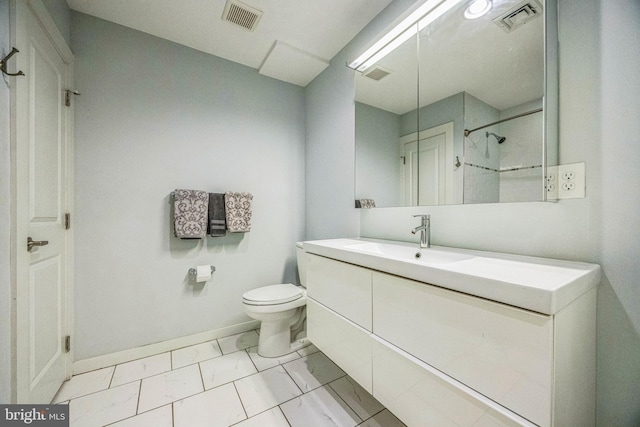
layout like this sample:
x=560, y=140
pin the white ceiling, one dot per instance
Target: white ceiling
x=308, y=32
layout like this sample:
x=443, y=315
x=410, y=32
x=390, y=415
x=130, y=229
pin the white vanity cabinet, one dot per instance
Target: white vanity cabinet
x=438, y=357
x=344, y=342
x=342, y=287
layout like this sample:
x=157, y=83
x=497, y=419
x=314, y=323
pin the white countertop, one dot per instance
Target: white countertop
x=538, y=284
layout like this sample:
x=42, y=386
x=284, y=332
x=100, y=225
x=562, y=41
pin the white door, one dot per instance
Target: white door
x=42, y=179
x=428, y=171
x=431, y=186
x=411, y=173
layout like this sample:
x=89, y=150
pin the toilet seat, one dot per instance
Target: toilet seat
x=273, y=294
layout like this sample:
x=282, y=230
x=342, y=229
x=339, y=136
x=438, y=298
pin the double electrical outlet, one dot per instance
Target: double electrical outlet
x=565, y=181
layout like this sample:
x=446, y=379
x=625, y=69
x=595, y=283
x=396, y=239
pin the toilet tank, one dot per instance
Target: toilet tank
x=302, y=268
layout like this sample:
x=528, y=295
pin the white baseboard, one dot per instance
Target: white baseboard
x=98, y=362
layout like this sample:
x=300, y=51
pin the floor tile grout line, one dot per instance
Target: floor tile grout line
x=281, y=403
x=327, y=385
x=171, y=365
x=284, y=415
x=379, y=412
x=294, y=381
x=170, y=359
x=139, y=395
x=277, y=359
x=169, y=352
x=233, y=380
x=247, y=353
x=135, y=415
x=86, y=394
x=246, y=414
x=144, y=377
x=182, y=398
x=340, y=397
x=113, y=374
x=173, y=401
x=314, y=389
x=195, y=394
x=98, y=391
x=202, y=378
x=200, y=361
x=157, y=375
x=345, y=402
x=250, y=358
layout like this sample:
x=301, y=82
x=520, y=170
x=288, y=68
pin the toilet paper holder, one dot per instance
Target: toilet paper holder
x=193, y=272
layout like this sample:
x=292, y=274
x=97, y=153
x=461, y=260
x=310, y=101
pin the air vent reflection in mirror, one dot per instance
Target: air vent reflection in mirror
x=520, y=15
x=376, y=73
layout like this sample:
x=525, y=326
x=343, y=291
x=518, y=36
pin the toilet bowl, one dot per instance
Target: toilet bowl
x=281, y=309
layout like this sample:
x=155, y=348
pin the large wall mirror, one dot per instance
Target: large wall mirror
x=461, y=108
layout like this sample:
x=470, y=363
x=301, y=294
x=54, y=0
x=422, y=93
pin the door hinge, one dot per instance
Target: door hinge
x=67, y=220
x=67, y=96
x=67, y=344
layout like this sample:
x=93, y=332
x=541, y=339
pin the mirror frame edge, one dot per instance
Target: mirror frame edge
x=551, y=104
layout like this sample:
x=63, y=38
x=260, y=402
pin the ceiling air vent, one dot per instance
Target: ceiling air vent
x=519, y=15
x=241, y=15
x=376, y=73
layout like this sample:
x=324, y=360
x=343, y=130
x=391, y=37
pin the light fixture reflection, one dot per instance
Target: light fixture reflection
x=477, y=9
x=423, y=16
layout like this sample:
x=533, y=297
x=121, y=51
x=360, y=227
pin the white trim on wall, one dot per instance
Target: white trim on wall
x=50, y=27
x=91, y=364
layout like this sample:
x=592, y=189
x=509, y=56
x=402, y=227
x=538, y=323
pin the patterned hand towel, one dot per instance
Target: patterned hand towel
x=190, y=213
x=365, y=203
x=238, y=207
x=217, y=215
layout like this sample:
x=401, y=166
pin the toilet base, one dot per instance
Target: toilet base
x=275, y=339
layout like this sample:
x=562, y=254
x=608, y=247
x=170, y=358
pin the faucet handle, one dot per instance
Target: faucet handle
x=423, y=216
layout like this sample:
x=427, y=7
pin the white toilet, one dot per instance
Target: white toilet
x=282, y=311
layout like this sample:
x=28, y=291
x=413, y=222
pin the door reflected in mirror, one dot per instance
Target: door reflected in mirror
x=455, y=114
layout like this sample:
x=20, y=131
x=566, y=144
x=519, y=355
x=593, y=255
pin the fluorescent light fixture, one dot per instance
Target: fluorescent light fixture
x=423, y=16
x=436, y=13
x=477, y=9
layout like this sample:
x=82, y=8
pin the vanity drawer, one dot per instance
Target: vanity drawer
x=422, y=396
x=344, y=342
x=503, y=352
x=344, y=288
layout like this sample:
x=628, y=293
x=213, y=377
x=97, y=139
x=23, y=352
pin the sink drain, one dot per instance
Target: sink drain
x=418, y=254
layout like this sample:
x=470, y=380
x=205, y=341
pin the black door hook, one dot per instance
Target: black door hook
x=3, y=64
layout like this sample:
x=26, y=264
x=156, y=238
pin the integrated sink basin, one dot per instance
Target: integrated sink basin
x=409, y=253
x=538, y=284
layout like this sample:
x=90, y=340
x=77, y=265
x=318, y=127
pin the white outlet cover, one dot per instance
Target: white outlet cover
x=571, y=181
x=552, y=183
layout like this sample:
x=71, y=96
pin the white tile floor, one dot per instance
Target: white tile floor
x=223, y=383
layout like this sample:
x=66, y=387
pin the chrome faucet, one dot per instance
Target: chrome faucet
x=425, y=231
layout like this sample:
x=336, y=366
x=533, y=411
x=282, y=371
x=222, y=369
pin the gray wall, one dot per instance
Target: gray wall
x=449, y=109
x=6, y=295
x=379, y=173
x=598, y=125
x=618, y=208
x=330, y=134
x=60, y=12
x=155, y=116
